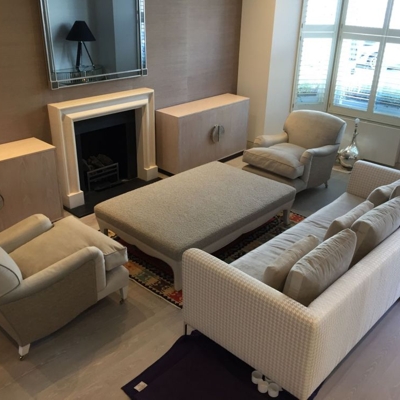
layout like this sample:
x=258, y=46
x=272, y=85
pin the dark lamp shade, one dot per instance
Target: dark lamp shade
x=80, y=32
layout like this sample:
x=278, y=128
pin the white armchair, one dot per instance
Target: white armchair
x=303, y=154
x=50, y=273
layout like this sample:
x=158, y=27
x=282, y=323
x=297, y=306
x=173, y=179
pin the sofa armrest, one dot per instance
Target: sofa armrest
x=24, y=231
x=57, y=272
x=366, y=176
x=258, y=324
x=270, y=140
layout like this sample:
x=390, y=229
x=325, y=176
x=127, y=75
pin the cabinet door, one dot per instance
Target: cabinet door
x=28, y=185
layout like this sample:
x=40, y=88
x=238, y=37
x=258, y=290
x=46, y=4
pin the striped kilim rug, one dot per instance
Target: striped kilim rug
x=156, y=276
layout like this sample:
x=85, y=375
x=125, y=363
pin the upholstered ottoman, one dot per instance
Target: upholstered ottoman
x=206, y=207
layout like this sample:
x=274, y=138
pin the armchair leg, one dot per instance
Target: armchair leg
x=326, y=185
x=23, y=351
x=124, y=294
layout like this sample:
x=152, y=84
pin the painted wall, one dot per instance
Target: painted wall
x=193, y=50
x=268, y=47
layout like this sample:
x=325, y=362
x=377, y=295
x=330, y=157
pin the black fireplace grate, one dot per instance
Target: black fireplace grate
x=103, y=178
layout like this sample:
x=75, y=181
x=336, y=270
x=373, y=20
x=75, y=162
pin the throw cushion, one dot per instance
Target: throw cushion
x=10, y=275
x=382, y=193
x=282, y=159
x=316, y=271
x=347, y=220
x=395, y=193
x=276, y=273
x=375, y=226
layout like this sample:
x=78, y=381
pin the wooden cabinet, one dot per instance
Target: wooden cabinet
x=185, y=136
x=28, y=181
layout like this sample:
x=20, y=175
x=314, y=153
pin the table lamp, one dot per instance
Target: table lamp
x=80, y=33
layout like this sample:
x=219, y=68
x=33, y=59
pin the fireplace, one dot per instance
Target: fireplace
x=65, y=119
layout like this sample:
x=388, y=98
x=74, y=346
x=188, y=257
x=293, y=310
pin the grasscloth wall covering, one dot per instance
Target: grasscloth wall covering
x=193, y=48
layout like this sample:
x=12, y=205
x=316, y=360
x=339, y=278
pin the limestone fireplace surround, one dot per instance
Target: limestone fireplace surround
x=63, y=115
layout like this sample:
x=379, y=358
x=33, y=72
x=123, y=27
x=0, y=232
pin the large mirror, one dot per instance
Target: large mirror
x=91, y=41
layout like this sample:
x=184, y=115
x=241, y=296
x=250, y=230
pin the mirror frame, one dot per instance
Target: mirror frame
x=57, y=82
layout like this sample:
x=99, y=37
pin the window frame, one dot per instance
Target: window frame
x=341, y=32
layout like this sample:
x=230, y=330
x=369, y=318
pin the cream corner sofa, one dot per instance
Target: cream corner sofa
x=294, y=345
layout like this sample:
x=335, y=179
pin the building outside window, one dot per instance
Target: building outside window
x=348, y=60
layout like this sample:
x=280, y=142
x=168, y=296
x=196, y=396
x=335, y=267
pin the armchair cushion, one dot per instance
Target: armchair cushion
x=65, y=238
x=281, y=159
x=10, y=275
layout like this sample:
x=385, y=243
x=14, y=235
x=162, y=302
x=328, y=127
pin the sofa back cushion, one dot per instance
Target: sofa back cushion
x=277, y=271
x=10, y=275
x=316, y=271
x=347, y=220
x=375, y=226
x=382, y=193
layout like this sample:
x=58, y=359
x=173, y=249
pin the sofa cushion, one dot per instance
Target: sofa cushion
x=375, y=226
x=347, y=220
x=276, y=272
x=317, y=270
x=65, y=238
x=382, y=193
x=10, y=275
x=282, y=159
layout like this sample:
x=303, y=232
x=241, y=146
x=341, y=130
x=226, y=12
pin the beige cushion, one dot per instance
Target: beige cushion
x=282, y=159
x=65, y=238
x=382, y=193
x=316, y=271
x=375, y=226
x=395, y=193
x=10, y=275
x=276, y=273
x=347, y=220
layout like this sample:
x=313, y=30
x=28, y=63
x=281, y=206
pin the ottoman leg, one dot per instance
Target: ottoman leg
x=286, y=219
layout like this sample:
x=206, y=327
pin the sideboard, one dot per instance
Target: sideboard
x=201, y=131
x=28, y=181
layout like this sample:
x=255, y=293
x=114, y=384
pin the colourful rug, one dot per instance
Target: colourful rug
x=156, y=276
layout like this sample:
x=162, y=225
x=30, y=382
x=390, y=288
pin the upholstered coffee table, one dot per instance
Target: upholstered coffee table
x=206, y=207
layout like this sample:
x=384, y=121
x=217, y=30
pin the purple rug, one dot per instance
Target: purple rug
x=196, y=368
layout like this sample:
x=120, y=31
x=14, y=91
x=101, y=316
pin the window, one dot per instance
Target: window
x=349, y=59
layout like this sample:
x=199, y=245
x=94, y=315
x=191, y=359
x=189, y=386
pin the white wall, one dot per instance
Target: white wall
x=267, y=57
x=376, y=143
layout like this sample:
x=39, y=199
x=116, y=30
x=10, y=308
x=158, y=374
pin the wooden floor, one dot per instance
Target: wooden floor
x=110, y=344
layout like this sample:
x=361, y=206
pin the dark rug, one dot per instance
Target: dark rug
x=156, y=276
x=196, y=368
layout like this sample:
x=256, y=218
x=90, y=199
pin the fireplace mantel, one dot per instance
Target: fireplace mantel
x=63, y=116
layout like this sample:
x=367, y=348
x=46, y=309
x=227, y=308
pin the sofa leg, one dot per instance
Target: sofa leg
x=23, y=351
x=124, y=294
x=185, y=329
x=105, y=231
